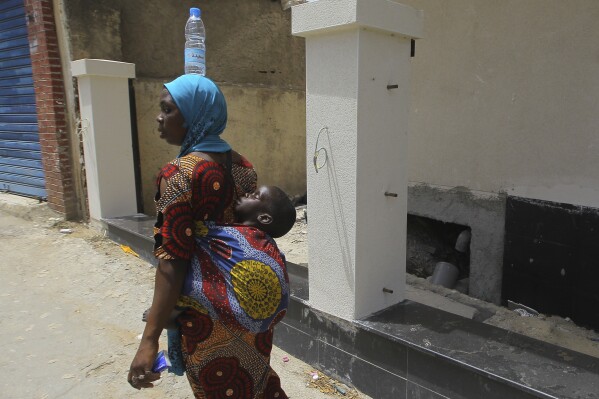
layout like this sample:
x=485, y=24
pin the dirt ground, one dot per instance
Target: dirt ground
x=70, y=315
x=295, y=243
x=552, y=329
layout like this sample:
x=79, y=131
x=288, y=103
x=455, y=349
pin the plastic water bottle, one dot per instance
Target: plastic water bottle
x=195, y=47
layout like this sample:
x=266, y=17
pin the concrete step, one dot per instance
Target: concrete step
x=135, y=231
x=411, y=350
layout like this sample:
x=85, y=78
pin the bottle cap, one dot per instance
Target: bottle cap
x=195, y=12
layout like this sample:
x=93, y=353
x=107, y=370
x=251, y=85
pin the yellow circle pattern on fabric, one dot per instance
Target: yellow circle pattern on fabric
x=257, y=288
x=201, y=229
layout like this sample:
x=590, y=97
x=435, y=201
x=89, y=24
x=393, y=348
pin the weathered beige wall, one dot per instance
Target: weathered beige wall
x=506, y=98
x=269, y=127
x=250, y=52
x=94, y=29
x=247, y=41
x=260, y=126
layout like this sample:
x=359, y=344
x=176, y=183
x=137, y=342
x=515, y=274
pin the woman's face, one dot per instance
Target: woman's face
x=249, y=207
x=170, y=120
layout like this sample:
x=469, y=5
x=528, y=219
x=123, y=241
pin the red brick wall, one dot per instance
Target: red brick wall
x=50, y=103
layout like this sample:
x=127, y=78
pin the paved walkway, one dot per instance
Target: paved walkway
x=70, y=313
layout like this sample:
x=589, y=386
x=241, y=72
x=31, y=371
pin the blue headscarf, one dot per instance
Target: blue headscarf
x=205, y=112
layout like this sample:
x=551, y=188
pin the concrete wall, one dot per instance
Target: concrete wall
x=484, y=213
x=504, y=102
x=250, y=53
x=505, y=98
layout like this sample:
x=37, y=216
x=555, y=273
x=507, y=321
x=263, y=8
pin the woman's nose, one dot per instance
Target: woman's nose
x=159, y=118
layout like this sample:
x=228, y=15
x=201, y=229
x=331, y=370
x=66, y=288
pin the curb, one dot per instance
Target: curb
x=26, y=208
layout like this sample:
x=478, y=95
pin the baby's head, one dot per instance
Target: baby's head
x=268, y=209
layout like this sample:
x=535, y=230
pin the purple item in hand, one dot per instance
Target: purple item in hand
x=161, y=363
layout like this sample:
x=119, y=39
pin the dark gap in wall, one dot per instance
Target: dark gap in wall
x=136, y=155
x=431, y=241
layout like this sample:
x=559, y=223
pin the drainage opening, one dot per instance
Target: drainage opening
x=439, y=252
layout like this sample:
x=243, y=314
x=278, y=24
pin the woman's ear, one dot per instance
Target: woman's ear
x=265, y=218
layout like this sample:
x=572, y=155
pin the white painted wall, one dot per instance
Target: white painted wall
x=381, y=167
x=506, y=98
x=354, y=49
x=332, y=101
x=106, y=134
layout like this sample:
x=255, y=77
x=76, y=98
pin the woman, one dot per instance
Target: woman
x=222, y=359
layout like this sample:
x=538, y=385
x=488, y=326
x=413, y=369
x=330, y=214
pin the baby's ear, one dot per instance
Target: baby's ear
x=265, y=218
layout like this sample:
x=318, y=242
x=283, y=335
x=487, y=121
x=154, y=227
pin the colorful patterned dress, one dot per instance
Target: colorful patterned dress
x=236, y=288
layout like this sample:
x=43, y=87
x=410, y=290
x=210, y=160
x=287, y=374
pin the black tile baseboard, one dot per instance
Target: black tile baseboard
x=550, y=258
x=415, y=391
x=413, y=351
x=448, y=379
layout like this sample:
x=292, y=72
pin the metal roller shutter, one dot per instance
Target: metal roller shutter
x=20, y=156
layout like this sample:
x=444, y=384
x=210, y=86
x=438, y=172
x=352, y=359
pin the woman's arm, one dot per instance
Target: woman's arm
x=168, y=284
x=170, y=275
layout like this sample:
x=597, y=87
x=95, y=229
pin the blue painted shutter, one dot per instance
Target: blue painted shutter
x=20, y=156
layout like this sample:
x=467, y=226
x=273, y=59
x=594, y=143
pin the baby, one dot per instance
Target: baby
x=268, y=209
x=236, y=252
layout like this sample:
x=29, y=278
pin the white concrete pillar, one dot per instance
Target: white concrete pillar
x=106, y=131
x=356, y=52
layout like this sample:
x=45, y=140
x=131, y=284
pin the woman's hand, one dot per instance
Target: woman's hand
x=140, y=372
x=170, y=275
